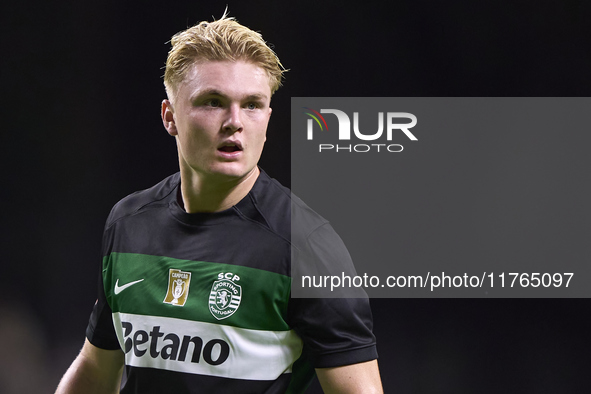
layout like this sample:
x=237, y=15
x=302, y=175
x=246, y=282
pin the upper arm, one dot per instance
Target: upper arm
x=355, y=378
x=95, y=370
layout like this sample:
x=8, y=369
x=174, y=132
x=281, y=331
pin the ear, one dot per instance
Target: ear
x=167, y=114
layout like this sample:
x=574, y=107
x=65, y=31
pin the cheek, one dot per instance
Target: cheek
x=263, y=130
x=261, y=140
x=195, y=136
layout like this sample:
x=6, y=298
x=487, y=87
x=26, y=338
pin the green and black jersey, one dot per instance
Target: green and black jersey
x=201, y=302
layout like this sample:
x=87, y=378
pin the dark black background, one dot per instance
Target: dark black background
x=81, y=92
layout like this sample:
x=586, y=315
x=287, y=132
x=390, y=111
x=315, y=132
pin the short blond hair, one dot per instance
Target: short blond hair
x=223, y=39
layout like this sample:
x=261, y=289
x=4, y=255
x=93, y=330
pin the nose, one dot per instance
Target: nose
x=233, y=121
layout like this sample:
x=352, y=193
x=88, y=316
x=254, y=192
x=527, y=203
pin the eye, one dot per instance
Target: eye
x=213, y=103
x=252, y=106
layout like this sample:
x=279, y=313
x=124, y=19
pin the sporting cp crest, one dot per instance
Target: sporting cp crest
x=178, y=287
x=225, y=295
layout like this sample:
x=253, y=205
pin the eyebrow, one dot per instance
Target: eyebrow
x=215, y=92
x=256, y=97
x=209, y=92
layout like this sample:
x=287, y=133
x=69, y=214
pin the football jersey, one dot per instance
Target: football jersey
x=201, y=302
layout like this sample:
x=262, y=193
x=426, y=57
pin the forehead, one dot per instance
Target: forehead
x=231, y=78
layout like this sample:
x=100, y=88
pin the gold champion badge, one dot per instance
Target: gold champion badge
x=178, y=287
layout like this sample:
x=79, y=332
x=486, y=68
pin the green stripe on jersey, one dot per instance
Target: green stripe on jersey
x=196, y=290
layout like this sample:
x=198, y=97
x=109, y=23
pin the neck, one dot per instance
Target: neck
x=201, y=194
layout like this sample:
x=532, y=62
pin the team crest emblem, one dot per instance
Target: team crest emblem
x=225, y=296
x=178, y=287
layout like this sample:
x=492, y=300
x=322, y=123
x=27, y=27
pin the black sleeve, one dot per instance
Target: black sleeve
x=335, y=331
x=100, y=330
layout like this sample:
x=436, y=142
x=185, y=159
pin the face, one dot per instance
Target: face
x=219, y=118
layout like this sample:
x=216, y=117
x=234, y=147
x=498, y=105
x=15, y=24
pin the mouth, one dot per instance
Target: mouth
x=230, y=148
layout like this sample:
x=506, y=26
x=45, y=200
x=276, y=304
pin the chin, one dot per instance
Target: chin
x=231, y=171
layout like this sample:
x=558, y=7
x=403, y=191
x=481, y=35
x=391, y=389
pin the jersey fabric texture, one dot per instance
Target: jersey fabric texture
x=201, y=302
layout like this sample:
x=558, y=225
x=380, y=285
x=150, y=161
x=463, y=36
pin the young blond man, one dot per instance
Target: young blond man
x=194, y=294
